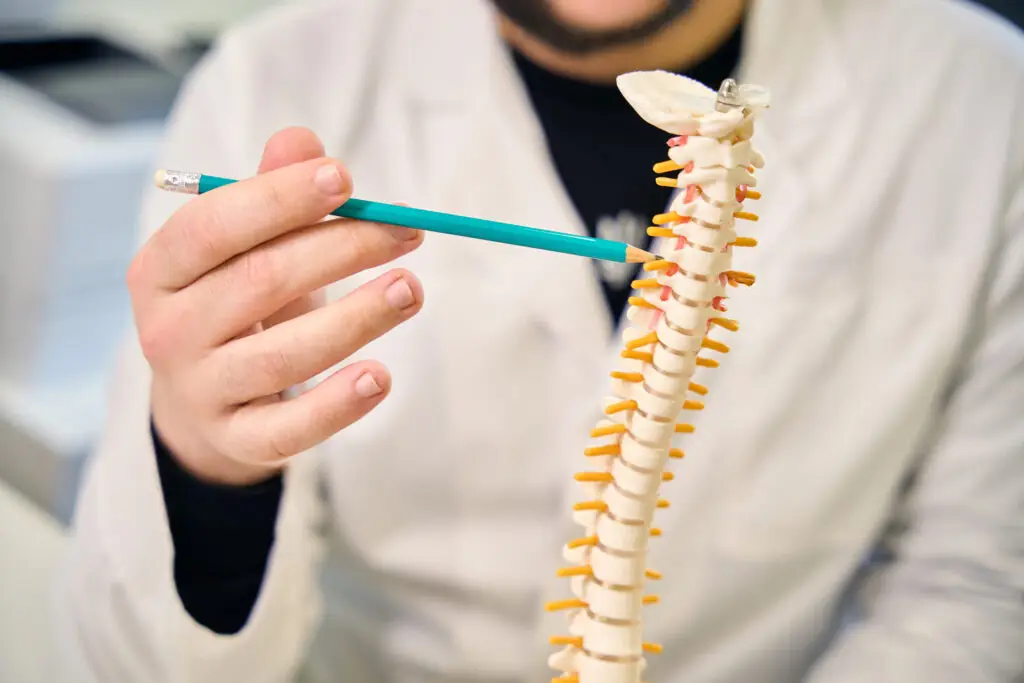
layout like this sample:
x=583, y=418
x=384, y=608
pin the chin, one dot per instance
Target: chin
x=604, y=15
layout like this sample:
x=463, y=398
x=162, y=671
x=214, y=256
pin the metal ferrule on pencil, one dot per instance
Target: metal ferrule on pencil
x=185, y=182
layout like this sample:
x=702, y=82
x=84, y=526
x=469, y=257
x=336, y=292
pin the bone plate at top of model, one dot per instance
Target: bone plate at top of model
x=677, y=104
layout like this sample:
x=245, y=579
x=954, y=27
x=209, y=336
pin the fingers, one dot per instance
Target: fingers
x=292, y=352
x=219, y=225
x=263, y=280
x=291, y=146
x=267, y=433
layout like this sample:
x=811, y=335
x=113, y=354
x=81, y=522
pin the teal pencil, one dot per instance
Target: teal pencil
x=434, y=221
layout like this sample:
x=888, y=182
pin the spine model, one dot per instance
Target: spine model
x=678, y=301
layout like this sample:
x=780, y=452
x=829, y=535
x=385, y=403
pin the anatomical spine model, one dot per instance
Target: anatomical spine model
x=678, y=302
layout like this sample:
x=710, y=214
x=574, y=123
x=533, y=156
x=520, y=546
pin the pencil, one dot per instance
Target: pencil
x=447, y=223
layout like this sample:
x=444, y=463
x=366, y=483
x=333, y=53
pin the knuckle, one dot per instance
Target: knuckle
x=135, y=275
x=157, y=339
x=249, y=442
x=375, y=242
x=279, y=447
x=195, y=392
x=371, y=316
x=198, y=233
x=275, y=200
x=233, y=377
x=151, y=344
x=275, y=364
x=259, y=271
x=359, y=240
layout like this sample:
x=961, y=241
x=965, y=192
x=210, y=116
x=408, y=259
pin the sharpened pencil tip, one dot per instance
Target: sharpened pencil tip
x=637, y=255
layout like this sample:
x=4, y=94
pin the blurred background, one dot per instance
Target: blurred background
x=84, y=88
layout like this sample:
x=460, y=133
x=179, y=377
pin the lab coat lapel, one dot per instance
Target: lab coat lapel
x=486, y=156
x=790, y=48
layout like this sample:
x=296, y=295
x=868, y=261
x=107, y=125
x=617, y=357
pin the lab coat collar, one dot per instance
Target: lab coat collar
x=790, y=46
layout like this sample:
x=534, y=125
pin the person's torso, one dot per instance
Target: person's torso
x=451, y=501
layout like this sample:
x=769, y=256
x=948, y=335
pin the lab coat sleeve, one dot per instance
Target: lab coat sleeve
x=946, y=604
x=118, y=612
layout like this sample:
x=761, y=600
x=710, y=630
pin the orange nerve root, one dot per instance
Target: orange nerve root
x=610, y=449
x=645, y=340
x=583, y=542
x=619, y=407
x=607, y=430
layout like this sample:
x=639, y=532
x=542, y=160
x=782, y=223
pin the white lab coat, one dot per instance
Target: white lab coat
x=874, y=391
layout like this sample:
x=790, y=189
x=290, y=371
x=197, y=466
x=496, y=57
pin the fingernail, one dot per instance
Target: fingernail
x=405, y=234
x=402, y=233
x=399, y=294
x=328, y=180
x=366, y=385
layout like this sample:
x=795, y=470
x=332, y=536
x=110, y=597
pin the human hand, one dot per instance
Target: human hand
x=227, y=307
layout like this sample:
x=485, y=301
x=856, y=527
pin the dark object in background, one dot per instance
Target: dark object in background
x=1011, y=9
x=90, y=76
x=192, y=48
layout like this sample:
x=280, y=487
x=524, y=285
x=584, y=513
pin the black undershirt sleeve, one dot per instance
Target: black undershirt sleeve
x=603, y=153
x=222, y=539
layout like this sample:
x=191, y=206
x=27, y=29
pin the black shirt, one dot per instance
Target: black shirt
x=603, y=153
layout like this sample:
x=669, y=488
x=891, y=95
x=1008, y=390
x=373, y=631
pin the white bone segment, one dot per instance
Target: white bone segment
x=713, y=159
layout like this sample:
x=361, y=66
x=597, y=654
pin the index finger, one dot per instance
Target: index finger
x=219, y=225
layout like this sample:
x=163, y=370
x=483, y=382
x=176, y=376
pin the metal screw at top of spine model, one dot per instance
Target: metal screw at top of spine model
x=677, y=303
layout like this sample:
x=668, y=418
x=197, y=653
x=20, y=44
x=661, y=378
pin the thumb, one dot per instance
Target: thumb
x=290, y=146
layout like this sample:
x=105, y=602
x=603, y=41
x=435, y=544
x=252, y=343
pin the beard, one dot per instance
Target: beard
x=537, y=19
